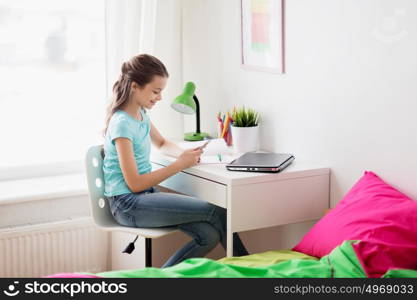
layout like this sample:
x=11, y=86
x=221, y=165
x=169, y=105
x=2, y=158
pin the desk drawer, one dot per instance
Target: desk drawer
x=184, y=183
x=276, y=203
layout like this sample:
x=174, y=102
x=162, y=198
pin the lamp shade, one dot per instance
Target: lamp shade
x=185, y=103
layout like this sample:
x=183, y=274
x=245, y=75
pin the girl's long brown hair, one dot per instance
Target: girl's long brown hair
x=140, y=69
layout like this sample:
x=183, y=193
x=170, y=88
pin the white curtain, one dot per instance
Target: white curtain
x=148, y=26
x=130, y=30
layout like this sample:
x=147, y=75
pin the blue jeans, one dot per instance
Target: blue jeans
x=202, y=221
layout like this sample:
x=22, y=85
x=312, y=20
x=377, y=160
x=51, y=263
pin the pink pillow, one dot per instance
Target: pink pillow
x=384, y=219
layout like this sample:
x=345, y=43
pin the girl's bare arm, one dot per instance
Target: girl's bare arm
x=165, y=146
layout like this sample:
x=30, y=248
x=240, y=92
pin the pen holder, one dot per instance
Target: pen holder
x=245, y=139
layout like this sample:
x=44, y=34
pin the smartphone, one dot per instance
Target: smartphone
x=204, y=145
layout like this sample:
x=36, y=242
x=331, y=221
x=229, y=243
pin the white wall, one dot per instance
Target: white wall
x=346, y=101
x=347, y=97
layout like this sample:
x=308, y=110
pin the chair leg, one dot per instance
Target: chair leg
x=148, y=252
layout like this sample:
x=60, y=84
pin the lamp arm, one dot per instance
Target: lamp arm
x=197, y=111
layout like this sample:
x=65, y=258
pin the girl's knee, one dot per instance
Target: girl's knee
x=208, y=235
x=218, y=217
x=211, y=238
x=220, y=211
x=204, y=233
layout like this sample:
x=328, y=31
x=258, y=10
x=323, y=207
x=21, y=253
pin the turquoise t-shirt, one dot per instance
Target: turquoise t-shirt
x=123, y=125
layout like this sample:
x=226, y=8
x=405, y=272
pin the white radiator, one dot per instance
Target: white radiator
x=42, y=249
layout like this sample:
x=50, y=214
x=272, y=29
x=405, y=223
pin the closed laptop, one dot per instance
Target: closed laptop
x=261, y=162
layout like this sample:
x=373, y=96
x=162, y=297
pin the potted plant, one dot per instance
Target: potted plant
x=245, y=129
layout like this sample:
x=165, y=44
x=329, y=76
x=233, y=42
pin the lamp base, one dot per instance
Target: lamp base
x=193, y=136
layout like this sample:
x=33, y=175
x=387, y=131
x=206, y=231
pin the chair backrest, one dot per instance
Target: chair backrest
x=99, y=204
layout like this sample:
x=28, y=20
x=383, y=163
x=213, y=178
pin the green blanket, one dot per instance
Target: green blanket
x=265, y=258
x=340, y=263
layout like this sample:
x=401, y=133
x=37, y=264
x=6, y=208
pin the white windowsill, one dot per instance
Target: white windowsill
x=41, y=170
x=41, y=188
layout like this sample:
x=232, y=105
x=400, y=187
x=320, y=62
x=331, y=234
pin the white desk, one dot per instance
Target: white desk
x=255, y=200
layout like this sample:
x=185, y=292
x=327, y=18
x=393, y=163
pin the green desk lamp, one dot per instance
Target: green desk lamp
x=187, y=103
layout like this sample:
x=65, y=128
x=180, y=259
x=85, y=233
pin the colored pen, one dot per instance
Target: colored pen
x=225, y=125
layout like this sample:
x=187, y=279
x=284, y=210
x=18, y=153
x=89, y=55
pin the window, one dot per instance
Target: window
x=52, y=81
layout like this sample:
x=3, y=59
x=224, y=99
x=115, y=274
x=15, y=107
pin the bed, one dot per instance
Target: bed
x=370, y=233
x=342, y=262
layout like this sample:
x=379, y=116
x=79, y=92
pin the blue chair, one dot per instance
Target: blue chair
x=100, y=209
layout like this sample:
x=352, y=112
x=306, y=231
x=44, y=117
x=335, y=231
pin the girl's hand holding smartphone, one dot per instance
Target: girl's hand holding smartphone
x=203, y=146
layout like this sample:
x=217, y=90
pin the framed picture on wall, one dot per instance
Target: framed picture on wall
x=263, y=35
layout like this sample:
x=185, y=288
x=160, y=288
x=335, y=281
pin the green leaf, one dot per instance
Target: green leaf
x=243, y=117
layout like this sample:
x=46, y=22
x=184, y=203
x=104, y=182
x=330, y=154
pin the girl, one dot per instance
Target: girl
x=129, y=181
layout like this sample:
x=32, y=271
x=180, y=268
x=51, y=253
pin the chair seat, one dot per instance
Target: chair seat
x=144, y=232
x=112, y=225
